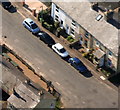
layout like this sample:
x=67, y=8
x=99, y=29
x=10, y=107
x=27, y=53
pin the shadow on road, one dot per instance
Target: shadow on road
x=115, y=80
x=67, y=58
x=87, y=74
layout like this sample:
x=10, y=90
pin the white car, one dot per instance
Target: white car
x=59, y=49
x=31, y=25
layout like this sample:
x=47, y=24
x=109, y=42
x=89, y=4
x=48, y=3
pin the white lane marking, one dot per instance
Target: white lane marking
x=16, y=40
x=69, y=92
x=52, y=71
x=58, y=83
x=74, y=96
x=21, y=14
x=83, y=102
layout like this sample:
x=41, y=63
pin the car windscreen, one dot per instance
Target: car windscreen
x=62, y=50
x=34, y=26
x=6, y=3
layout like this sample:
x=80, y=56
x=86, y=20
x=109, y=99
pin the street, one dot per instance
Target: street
x=77, y=91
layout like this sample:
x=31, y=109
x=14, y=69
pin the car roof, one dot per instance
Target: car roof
x=76, y=60
x=28, y=20
x=58, y=45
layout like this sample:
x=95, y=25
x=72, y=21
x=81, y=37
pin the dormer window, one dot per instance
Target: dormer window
x=99, y=17
x=87, y=35
x=97, y=43
x=110, y=53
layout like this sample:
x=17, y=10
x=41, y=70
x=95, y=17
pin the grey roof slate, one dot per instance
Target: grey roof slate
x=82, y=13
x=28, y=98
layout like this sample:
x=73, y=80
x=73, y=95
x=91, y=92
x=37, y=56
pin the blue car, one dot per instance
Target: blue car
x=76, y=63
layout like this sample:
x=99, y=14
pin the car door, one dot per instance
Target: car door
x=56, y=50
x=44, y=38
x=74, y=64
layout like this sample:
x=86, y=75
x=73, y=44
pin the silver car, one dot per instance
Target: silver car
x=31, y=25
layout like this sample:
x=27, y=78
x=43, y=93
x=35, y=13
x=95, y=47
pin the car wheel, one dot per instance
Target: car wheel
x=40, y=38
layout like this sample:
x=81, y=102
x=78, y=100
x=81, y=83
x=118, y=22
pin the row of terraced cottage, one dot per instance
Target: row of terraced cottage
x=91, y=30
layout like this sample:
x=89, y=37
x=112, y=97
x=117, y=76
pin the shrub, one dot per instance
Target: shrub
x=70, y=39
x=48, y=26
x=59, y=29
x=41, y=20
x=56, y=24
x=85, y=55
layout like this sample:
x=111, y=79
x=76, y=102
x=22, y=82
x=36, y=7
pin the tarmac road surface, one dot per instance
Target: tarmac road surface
x=77, y=91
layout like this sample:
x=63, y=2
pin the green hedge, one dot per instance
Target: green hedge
x=70, y=39
x=47, y=26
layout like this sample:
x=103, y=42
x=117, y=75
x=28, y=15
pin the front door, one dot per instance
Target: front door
x=67, y=29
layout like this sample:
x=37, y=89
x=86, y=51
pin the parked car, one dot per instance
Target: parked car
x=7, y=5
x=31, y=25
x=46, y=38
x=59, y=49
x=76, y=63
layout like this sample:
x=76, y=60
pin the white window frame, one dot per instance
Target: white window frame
x=72, y=31
x=57, y=9
x=110, y=54
x=87, y=35
x=73, y=23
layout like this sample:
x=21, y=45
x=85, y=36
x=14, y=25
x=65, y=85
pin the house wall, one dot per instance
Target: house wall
x=86, y=38
x=110, y=58
x=65, y=20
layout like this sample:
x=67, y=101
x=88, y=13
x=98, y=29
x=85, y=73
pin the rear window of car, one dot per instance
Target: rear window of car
x=62, y=50
x=34, y=26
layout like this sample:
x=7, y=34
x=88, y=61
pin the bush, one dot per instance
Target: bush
x=85, y=55
x=41, y=20
x=59, y=29
x=48, y=26
x=70, y=39
x=56, y=24
x=58, y=105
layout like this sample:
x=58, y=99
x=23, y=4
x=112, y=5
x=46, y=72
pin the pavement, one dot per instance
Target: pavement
x=35, y=5
x=77, y=90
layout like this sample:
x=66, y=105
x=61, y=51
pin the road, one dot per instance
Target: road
x=77, y=91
